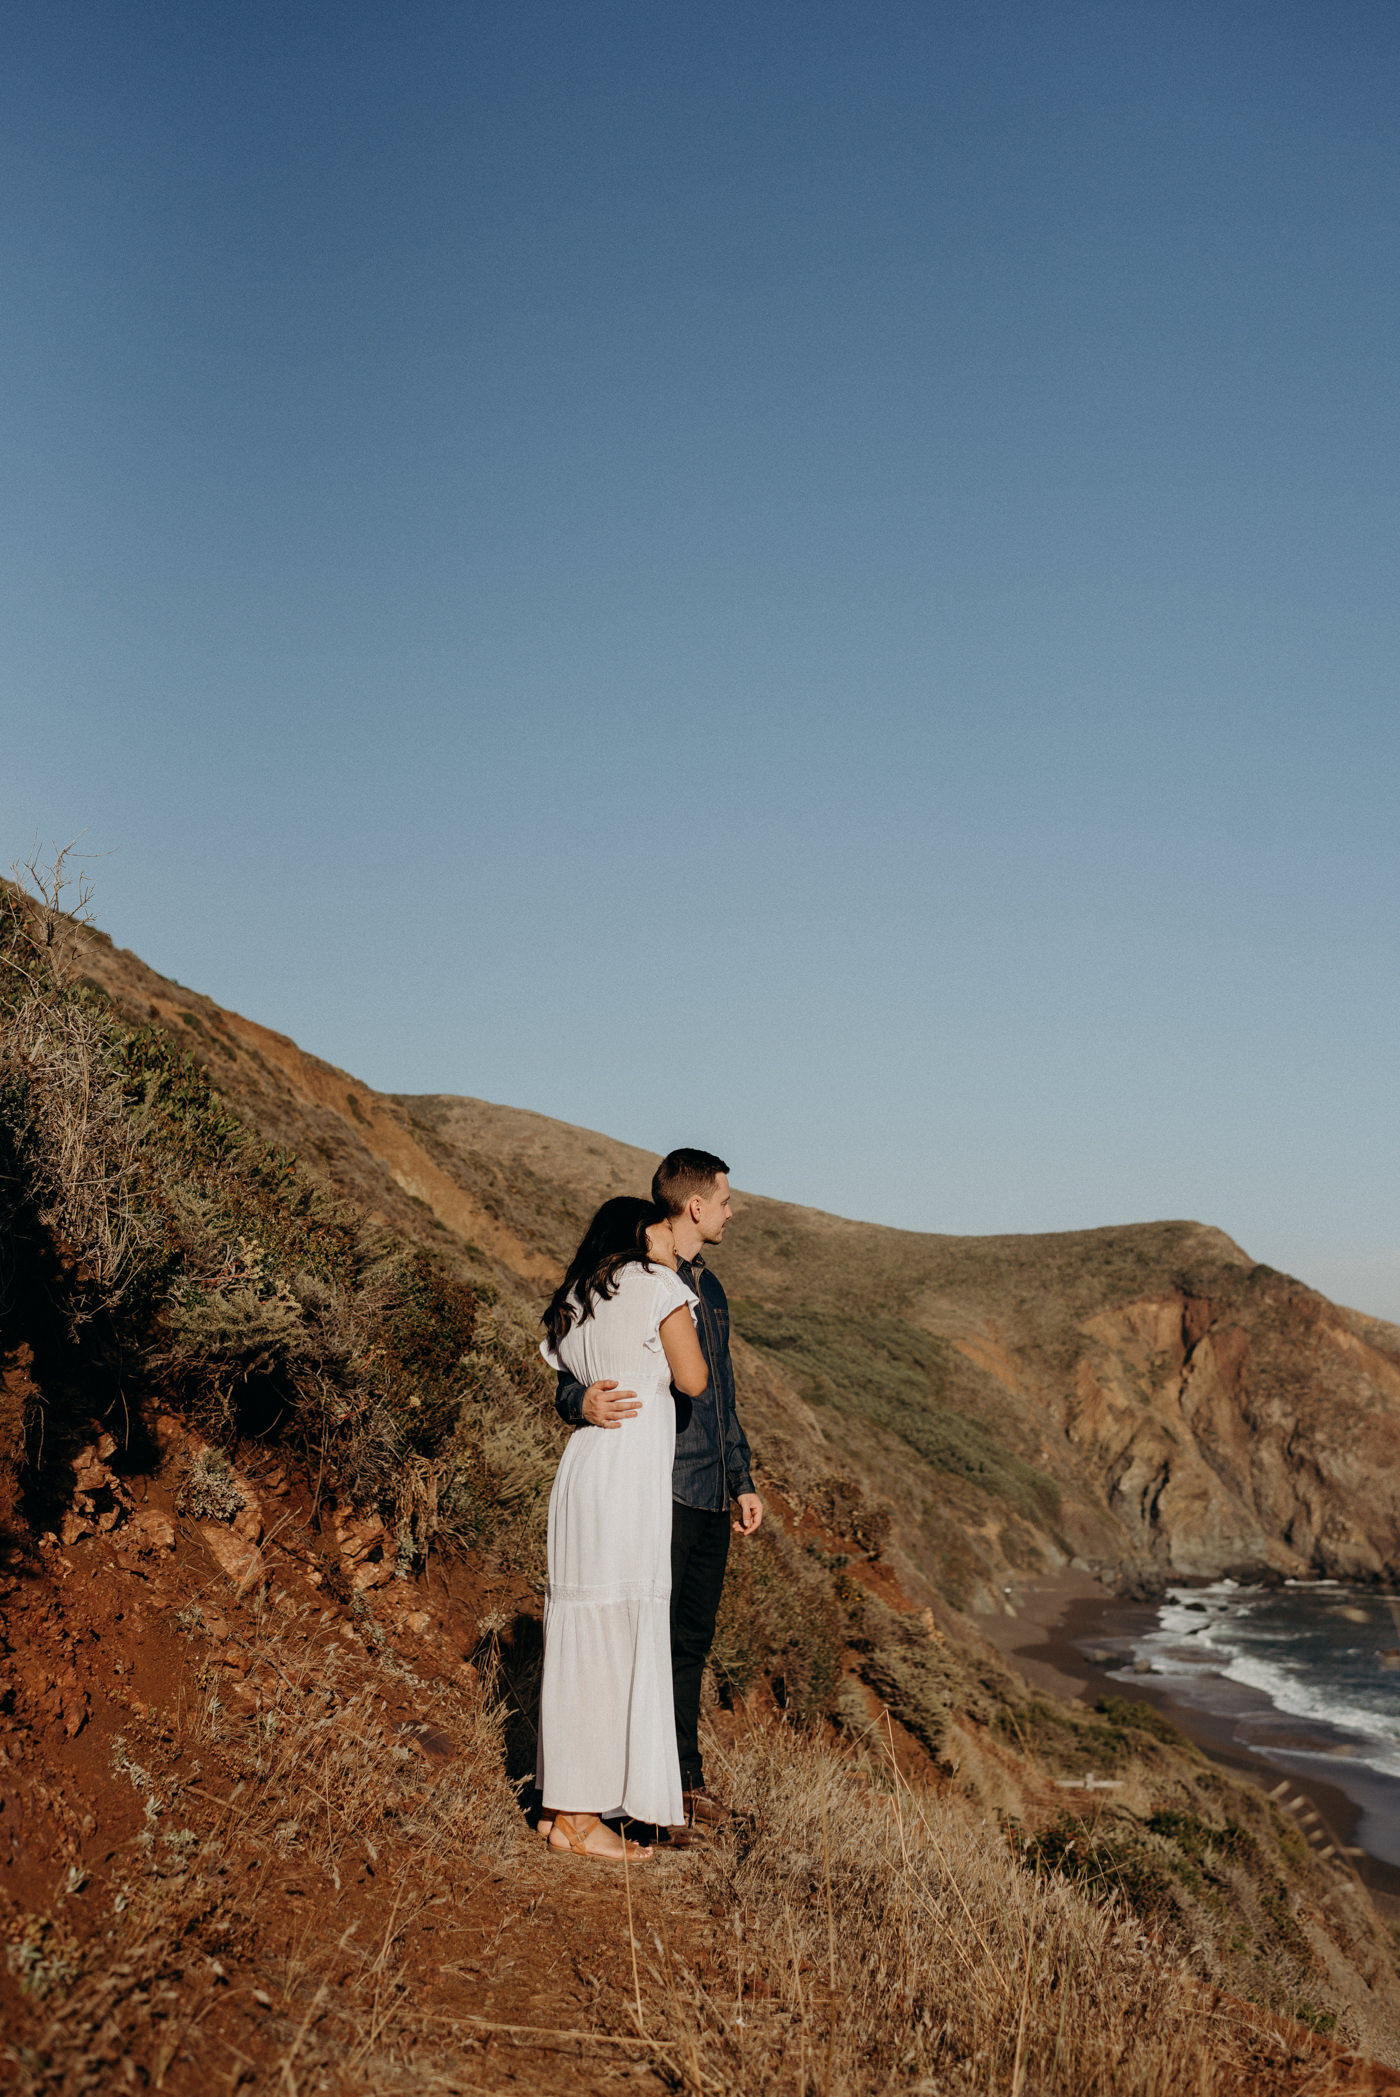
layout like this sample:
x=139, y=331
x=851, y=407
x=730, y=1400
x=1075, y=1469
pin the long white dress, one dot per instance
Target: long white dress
x=607, y=1724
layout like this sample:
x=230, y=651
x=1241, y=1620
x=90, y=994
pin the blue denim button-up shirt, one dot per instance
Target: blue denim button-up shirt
x=712, y=1451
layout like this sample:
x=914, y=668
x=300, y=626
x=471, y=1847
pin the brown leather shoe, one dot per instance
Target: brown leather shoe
x=703, y=1811
x=683, y=1838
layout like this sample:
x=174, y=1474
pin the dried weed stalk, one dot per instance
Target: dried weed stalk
x=76, y=1140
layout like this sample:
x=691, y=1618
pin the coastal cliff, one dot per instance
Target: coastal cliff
x=1254, y=1426
x=1143, y=1399
x=275, y=1449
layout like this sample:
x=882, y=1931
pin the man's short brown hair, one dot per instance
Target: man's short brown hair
x=681, y=1175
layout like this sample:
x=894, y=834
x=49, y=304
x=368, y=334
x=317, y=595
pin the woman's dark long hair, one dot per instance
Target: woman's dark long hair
x=614, y=1239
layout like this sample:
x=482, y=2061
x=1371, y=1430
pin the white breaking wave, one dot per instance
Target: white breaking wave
x=1379, y=1731
x=1205, y=1632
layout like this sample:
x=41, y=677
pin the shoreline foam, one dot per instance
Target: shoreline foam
x=1051, y=1618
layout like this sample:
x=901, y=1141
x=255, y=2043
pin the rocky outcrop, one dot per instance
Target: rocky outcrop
x=1261, y=1429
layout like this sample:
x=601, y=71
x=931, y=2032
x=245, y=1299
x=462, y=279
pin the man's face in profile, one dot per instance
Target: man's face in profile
x=714, y=1211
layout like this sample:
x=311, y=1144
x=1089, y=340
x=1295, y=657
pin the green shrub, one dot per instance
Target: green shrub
x=780, y=1617
x=915, y=1675
x=1205, y=1842
x=1141, y=1718
x=252, y=1297
x=499, y=1466
x=208, y=1490
x=198, y=1153
x=1105, y=1862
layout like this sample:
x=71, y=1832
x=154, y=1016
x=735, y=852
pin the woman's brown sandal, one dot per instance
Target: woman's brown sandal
x=575, y=1843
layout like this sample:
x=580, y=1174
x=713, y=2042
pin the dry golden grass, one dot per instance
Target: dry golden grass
x=322, y=1772
x=870, y=1937
x=299, y=1768
x=853, y=1934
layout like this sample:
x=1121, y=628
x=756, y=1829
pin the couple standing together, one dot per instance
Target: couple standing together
x=641, y=1513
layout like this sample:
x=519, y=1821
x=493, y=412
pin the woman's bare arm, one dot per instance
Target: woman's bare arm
x=689, y=1370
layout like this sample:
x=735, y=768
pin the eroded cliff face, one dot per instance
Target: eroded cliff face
x=1261, y=1429
x=1149, y=1402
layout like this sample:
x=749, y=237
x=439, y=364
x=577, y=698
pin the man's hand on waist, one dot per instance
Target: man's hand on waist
x=604, y=1405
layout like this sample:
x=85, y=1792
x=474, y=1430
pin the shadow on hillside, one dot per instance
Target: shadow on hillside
x=63, y=1375
x=511, y=1658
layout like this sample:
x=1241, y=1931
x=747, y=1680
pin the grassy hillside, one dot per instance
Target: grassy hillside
x=1144, y=1398
x=274, y=1450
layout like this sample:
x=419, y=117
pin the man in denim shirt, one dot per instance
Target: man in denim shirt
x=712, y=1490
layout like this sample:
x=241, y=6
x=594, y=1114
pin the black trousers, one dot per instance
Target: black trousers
x=699, y=1551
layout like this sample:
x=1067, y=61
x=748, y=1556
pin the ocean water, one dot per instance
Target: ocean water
x=1307, y=1675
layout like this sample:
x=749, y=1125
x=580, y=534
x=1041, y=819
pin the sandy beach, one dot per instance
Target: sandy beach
x=1049, y=1617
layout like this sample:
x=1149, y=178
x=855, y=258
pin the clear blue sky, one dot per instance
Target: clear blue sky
x=815, y=579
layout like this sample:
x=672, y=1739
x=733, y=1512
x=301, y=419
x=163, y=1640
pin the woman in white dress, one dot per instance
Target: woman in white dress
x=607, y=1725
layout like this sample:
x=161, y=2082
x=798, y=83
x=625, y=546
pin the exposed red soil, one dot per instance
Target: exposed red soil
x=110, y=1645
x=198, y=1950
